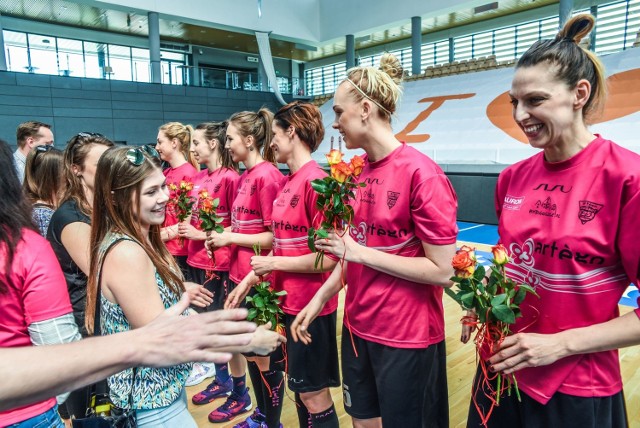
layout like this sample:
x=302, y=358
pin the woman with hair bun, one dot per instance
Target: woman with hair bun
x=174, y=147
x=397, y=262
x=579, y=260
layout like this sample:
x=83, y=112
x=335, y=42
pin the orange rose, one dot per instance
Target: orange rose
x=466, y=272
x=334, y=157
x=207, y=205
x=203, y=194
x=173, y=187
x=356, y=165
x=464, y=258
x=340, y=171
x=500, y=256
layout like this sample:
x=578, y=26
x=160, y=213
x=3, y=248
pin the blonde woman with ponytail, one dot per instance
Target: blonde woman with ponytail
x=174, y=146
x=397, y=262
x=580, y=259
x=248, y=141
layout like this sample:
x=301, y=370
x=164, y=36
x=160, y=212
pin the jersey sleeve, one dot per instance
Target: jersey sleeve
x=44, y=293
x=433, y=209
x=627, y=242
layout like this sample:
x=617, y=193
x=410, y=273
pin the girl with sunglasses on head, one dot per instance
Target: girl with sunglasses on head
x=134, y=279
x=219, y=180
x=43, y=183
x=174, y=147
x=247, y=134
x=33, y=295
x=312, y=368
x=581, y=259
x=69, y=233
x=397, y=262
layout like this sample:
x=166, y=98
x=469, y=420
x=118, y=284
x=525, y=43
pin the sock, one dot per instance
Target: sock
x=256, y=381
x=240, y=384
x=222, y=372
x=325, y=419
x=304, y=417
x=273, y=402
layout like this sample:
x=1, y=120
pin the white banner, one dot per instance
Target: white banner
x=466, y=118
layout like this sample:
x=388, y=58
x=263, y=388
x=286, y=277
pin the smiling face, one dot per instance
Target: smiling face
x=348, y=120
x=201, y=148
x=545, y=108
x=154, y=195
x=281, y=142
x=236, y=144
x=165, y=146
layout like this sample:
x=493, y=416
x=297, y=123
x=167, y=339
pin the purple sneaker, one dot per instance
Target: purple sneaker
x=256, y=420
x=234, y=406
x=215, y=389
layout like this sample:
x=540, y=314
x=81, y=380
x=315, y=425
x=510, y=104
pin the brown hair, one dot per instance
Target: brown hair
x=305, y=118
x=572, y=62
x=76, y=153
x=43, y=178
x=218, y=131
x=118, y=182
x=379, y=85
x=184, y=134
x=28, y=129
x=258, y=125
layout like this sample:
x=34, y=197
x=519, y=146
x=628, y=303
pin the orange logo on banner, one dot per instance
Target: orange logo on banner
x=436, y=102
x=623, y=100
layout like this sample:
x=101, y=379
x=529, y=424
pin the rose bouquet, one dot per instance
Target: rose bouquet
x=209, y=220
x=335, y=192
x=181, y=202
x=496, y=303
x=264, y=305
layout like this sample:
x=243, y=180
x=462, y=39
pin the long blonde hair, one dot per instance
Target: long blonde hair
x=258, y=125
x=184, y=134
x=118, y=182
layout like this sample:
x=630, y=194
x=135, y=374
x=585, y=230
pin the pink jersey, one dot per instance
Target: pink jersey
x=407, y=200
x=251, y=213
x=223, y=184
x=185, y=172
x=570, y=230
x=38, y=292
x=294, y=211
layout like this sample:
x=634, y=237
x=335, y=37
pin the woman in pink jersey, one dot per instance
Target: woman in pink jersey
x=174, y=146
x=397, y=261
x=247, y=134
x=571, y=237
x=220, y=180
x=312, y=369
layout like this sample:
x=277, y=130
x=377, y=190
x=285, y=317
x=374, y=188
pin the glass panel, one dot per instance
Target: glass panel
x=141, y=65
x=15, y=48
x=119, y=63
x=70, y=58
x=42, y=50
x=95, y=55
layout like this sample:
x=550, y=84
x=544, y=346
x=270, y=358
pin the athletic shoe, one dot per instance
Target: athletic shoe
x=215, y=389
x=234, y=406
x=200, y=372
x=256, y=420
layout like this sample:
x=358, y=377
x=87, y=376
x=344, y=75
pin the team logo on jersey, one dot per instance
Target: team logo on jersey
x=588, y=211
x=546, y=208
x=217, y=187
x=253, y=189
x=359, y=233
x=294, y=201
x=368, y=197
x=512, y=203
x=392, y=198
x=549, y=188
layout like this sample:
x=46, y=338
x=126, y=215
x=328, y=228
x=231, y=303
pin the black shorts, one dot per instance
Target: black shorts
x=405, y=387
x=184, y=267
x=315, y=366
x=220, y=285
x=566, y=411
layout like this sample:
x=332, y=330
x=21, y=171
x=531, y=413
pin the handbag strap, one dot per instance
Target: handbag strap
x=96, y=319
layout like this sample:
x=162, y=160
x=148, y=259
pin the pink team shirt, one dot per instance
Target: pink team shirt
x=570, y=230
x=407, y=200
x=38, y=293
x=223, y=184
x=185, y=172
x=294, y=211
x=251, y=213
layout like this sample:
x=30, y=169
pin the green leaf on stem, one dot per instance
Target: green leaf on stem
x=503, y=313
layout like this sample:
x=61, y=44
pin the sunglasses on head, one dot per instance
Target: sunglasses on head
x=44, y=148
x=89, y=135
x=136, y=156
